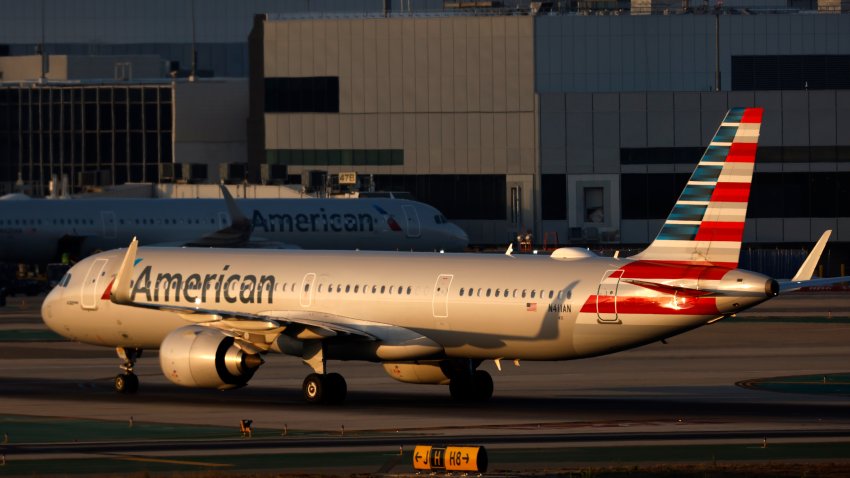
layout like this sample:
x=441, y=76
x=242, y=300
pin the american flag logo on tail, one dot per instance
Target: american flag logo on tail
x=707, y=224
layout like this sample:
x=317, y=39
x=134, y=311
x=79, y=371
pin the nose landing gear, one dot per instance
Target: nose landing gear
x=127, y=382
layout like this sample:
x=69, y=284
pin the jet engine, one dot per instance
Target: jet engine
x=424, y=372
x=202, y=357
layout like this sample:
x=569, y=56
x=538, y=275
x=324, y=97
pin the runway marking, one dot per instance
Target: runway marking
x=169, y=461
x=834, y=383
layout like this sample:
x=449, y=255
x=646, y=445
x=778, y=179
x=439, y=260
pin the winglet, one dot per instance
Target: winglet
x=808, y=268
x=236, y=216
x=121, y=289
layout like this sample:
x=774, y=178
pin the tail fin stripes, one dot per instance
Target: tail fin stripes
x=707, y=223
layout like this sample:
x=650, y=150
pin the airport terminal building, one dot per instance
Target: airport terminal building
x=581, y=120
x=587, y=126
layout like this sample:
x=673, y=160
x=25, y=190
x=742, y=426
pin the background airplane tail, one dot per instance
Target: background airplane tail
x=707, y=223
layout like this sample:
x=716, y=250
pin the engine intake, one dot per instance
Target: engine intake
x=201, y=357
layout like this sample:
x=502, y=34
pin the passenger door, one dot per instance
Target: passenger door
x=440, y=301
x=94, y=282
x=413, y=228
x=109, y=225
x=307, y=286
x=606, y=297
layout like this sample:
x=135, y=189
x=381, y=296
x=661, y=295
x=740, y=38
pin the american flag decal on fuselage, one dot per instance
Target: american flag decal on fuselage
x=707, y=223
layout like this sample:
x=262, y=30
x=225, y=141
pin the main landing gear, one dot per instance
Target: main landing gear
x=321, y=387
x=325, y=388
x=477, y=387
x=127, y=382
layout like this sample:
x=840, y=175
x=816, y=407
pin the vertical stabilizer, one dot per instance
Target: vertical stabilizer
x=707, y=223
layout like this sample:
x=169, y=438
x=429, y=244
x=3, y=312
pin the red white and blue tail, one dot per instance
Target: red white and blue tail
x=707, y=223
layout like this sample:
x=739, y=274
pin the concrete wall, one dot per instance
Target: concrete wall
x=670, y=53
x=582, y=133
x=456, y=94
x=210, y=123
x=28, y=68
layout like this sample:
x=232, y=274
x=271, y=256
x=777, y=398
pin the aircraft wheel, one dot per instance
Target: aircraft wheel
x=126, y=383
x=336, y=388
x=461, y=388
x=314, y=388
x=482, y=386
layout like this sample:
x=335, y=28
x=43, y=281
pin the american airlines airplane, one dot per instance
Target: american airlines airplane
x=40, y=230
x=426, y=317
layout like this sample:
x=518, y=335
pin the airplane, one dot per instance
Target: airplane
x=426, y=317
x=40, y=230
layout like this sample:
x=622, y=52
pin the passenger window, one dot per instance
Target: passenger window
x=560, y=294
x=400, y=288
x=488, y=292
x=551, y=294
x=320, y=288
x=498, y=292
x=408, y=290
x=532, y=293
x=306, y=287
x=523, y=293
x=347, y=288
x=339, y=288
x=383, y=287
x=461, y=291
x=374, y=289
x=356, y=288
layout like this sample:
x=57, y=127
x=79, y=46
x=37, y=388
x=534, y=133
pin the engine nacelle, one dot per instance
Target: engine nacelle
x=427, y=372
x=201, y=357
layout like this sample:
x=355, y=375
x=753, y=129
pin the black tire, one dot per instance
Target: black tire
x=482, y=386
x=126, y=383
x=475, y=388
x=461, y=388
x=314, y=388
x=336, y=388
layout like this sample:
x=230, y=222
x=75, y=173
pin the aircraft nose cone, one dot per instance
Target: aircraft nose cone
x=49, y=309
x=459, y=238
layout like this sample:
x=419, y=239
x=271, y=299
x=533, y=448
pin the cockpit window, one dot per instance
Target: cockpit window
x=63, y=282
x=440, y=219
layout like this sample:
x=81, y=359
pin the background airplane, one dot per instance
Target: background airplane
x=41, y=230
x=428, y=318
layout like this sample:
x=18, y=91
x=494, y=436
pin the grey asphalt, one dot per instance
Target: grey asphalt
x=685, y=389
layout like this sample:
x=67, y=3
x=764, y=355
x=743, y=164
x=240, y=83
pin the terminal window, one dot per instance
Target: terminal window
x=315, y=94
x=791, y=72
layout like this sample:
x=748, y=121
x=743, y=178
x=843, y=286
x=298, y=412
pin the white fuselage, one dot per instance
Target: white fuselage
x=37, y=230
x=473, y=305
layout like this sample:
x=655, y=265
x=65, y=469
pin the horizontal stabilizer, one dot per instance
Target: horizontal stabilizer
x=803, y=277
x=791, y=286
x=669, y=289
